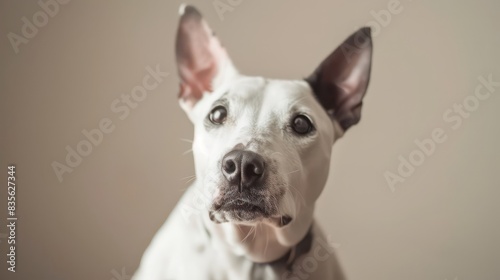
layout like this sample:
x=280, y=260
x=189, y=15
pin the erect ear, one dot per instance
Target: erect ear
x=341, y=80
x=202, y=62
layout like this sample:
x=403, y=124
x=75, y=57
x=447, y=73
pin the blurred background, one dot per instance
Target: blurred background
x=95, y=220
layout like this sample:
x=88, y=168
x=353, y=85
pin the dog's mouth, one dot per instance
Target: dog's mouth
x=246, y=211
x=243, y=205
x=239, y=209
x=250, y=205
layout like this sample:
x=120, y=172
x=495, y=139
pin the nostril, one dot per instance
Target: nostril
x=229, y=166
x=253, y=169
x=258, y=169
x=249, y=170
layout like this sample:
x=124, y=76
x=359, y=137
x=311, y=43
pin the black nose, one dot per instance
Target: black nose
x=243, y=168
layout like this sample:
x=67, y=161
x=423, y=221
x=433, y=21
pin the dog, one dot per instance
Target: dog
x=262, y=152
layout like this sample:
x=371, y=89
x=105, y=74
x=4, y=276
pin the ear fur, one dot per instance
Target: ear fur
x=341, y=80
x=201, y=58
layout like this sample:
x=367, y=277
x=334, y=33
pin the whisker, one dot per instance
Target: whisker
x=295, y=189
x=187, y=177
x=249, y=233
x=254, y=232
x=267, y=242
x=296, y=170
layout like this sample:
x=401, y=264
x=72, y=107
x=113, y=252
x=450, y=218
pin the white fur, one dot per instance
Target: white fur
x=259, y=111
x=181, y=249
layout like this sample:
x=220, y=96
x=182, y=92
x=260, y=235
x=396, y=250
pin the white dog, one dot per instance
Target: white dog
x=262, y=153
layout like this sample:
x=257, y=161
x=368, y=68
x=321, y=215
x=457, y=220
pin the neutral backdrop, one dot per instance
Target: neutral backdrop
x=441, y=222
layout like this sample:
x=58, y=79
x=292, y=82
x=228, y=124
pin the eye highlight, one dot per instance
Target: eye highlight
x=218, y=115
x=302, y=125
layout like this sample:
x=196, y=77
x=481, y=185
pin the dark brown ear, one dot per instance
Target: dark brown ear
x=200, y=56
x=341, y=80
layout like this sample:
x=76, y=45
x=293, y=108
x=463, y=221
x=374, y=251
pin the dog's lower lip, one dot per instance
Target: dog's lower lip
x=241, y=205
x=241, y=202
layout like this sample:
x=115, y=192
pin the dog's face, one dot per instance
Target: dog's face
x=262, y=147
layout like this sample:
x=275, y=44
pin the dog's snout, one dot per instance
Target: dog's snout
x=243, y=168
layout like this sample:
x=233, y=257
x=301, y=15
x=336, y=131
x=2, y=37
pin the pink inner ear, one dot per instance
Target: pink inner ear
x=199, y=56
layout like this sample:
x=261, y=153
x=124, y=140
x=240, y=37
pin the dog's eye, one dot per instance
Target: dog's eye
x=302, y=125
x=218, y=115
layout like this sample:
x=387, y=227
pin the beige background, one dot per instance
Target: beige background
x=441, y=223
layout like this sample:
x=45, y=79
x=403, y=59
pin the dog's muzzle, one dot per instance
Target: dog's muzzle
x=244, y=193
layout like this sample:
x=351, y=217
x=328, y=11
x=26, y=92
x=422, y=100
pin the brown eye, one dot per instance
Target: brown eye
x=218, y=115
x=302, y=125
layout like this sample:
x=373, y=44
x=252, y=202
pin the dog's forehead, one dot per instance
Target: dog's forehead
x=269, y=93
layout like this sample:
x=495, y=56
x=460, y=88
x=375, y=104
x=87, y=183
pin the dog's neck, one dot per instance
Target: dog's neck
x=258, y=243
x=262, y=242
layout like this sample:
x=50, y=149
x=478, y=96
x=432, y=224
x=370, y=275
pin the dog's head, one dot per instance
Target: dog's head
x=261, y=146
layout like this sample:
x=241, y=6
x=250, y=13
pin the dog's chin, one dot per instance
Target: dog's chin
x=247, y=213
